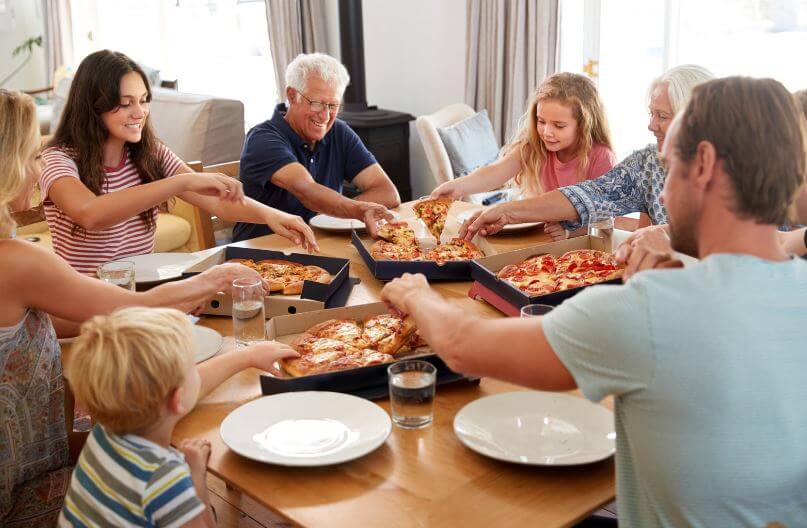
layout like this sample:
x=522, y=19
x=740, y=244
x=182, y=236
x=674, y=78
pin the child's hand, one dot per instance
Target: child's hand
x=264, y=354
x=197, y=453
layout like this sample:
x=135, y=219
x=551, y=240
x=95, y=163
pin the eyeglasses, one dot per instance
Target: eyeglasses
x=318, y=106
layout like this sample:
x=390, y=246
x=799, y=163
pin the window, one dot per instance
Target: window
x=626, y=44
x=216, y=47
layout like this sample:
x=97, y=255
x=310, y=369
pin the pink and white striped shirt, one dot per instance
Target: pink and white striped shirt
x=86, y=250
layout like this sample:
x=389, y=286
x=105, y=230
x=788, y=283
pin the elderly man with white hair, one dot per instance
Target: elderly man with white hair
x=298, y=160
x=634, y=185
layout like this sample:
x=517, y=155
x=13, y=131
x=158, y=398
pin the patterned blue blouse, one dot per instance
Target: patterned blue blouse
x=634, y=185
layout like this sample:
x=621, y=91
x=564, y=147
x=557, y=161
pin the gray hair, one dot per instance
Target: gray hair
x=329, y=69
x=680, y=82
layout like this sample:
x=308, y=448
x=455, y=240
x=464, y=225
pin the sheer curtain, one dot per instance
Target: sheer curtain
x=58, y=36
x=512, y=47
x=295, y=26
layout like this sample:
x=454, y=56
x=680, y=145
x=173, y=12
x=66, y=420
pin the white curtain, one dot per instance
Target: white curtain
x=58, y=38
x=512, y=47
x=295, y=26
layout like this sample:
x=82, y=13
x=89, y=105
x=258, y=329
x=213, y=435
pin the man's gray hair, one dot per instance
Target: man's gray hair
x=329, y=69
x=680, y=82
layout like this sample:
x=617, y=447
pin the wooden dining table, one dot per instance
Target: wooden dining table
x=418, y=478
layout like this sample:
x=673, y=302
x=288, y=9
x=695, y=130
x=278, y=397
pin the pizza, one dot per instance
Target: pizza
x=285, y=276
x=433, y=212
x=388, y=333
x=383, y=250
x=455, y=249
x=340, y=344
x=397, y=233
x=398, y=240
x=543, y=274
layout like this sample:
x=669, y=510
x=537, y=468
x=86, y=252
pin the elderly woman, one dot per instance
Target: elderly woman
x=41, y=290
x=634, y=185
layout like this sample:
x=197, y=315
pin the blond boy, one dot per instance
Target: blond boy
x=134, y=370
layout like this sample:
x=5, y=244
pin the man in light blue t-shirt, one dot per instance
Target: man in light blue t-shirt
x=707, y=363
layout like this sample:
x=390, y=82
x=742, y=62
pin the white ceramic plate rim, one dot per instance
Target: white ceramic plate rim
x=310, y=402
x=147, y=266
x=463, y=216
x=534, y=398
x=208, y=342
x=332, y=223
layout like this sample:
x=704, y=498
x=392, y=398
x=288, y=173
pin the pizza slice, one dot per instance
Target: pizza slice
x=397, y=233
x=433, y=212
x=346, y=330
x=387, y=333
x=383, y=250
x=454, y=250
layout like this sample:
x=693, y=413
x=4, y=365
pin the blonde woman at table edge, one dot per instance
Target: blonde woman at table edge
x=40, y=292
x=107, y=172
x=705, y=363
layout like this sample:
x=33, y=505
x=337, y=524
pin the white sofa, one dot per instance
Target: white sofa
x=196, y=127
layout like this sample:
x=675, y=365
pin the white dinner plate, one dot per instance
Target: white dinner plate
x=537, y=428
x=154, y=267
x=306, y=428
x=509, y=228
x=208, y=342
x=338, y=225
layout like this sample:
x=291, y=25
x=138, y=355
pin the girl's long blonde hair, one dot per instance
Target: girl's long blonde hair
x=579, y=94
x=19, y=141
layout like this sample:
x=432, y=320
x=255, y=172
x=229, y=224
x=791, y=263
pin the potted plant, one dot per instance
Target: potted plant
x=26, y=47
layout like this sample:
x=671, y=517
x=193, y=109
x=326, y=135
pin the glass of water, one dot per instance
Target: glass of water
x=249, y=320
x=411, y=393
x=603, y=229
x=532, y=310
x=120, y=273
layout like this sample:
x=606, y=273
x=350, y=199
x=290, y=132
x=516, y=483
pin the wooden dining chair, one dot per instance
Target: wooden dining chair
x=231, y=169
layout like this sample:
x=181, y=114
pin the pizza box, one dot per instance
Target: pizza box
x=315, y=296
x=509, y=299
x=366, y=382
x=387, y=270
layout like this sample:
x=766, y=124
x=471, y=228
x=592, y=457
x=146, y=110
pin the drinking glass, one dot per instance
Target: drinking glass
x=532, y=310
x=603, y=229
x=249, y=320
x=411, y=393
x=120, y=273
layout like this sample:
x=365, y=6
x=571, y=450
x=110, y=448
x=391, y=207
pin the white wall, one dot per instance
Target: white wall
x=22, y=19
x=415, y=62
x=414, y=54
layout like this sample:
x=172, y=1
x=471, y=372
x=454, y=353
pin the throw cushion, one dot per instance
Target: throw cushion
x=470, y=144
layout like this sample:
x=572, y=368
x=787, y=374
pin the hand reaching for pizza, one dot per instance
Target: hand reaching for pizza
x=485, y=222
x=223, y=276
x=265, y=354
x=372, y=214
x=293, y=228
x=653, y=238
x=398, y=293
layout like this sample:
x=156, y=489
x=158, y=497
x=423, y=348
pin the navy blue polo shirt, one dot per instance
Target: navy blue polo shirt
x=272, y=145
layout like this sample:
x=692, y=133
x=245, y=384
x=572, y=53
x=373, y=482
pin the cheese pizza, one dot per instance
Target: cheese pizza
x=285, y=276
x=340, y=344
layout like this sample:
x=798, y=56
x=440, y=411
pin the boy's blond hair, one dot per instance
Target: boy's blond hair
x=125, y=365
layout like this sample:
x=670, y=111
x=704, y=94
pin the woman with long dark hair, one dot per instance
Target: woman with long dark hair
x=106, y=172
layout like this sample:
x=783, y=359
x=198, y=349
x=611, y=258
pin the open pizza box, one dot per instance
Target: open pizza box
x=367, y=382
x=315, y=296
x=386, y=270
x=507, y=298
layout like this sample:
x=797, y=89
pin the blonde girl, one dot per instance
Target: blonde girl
x=564, y=140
